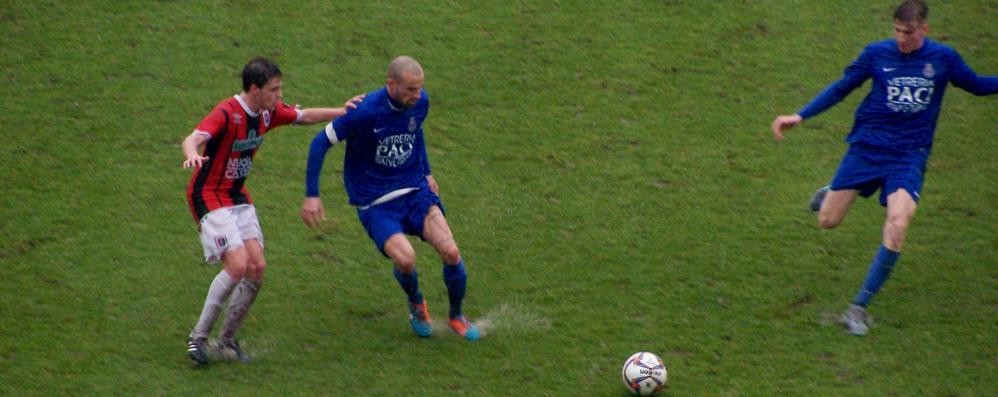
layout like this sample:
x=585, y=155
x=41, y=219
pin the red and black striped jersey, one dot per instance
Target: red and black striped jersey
x=234, y=135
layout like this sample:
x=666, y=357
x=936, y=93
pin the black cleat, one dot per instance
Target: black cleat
x=818, y=197
x=230, y=348
x=197, y=350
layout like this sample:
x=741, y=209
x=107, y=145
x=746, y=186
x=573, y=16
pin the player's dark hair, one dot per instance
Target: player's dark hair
x=258, y=71
x=912, y=11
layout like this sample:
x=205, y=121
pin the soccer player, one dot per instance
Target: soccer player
x=387, y=178
x=891, y=137
x=219, y=202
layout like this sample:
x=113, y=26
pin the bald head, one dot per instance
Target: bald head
x=405, y=80
x=404, y=64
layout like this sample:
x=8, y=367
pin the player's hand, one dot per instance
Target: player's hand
x=195, y=160
x=353, y=102
x=433, y=185
x=784, y=123
x=312, y=212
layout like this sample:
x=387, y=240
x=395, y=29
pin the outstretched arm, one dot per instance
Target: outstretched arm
x=966, y=78
x=319, y=115
x=855, y=74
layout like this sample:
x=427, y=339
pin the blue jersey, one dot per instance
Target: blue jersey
x=385, y=150
x=902, y=108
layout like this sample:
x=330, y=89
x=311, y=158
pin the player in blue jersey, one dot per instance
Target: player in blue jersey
x=387, y=178
x=891, y=137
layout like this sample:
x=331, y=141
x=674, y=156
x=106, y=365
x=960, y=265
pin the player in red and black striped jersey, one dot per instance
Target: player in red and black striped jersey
x=230, y=232
x=234, y=132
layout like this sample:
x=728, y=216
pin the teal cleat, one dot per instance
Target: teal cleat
x=461, y=326
x=419, y=317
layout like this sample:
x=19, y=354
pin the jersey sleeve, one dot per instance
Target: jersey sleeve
x=965, y=77
x=214, y=123
x=285, y=114
x=316, y=156
x=425, y=163
x=424, y=159
x=341, y=128
x=854, y=75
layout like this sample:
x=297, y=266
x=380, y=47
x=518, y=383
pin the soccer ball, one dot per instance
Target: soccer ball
x=644, y=373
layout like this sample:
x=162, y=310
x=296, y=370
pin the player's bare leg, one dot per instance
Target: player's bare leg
x=835, y=207
x=437, y=233
x=401, y=252
x=900, y=210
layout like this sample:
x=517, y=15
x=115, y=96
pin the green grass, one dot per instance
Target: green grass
x=607, y=169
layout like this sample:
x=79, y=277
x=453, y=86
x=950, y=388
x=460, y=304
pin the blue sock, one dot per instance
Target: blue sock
x=456, y=279
x=410, y=284
x=880, y=270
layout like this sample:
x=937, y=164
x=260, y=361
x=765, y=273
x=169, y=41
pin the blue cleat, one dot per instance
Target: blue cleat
x=419, y=317
x=461, y=326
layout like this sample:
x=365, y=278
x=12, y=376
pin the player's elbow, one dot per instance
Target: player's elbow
x=193, y=141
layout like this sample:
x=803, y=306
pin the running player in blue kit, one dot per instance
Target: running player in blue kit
x=387, y=178
x=891, y=137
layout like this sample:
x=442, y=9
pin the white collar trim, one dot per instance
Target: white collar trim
x=246, y=107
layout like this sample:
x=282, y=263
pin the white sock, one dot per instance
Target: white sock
x=219, y=291
x=239, y=305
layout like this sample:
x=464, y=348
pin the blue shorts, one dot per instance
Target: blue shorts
x=401, y=215
x=866, y=168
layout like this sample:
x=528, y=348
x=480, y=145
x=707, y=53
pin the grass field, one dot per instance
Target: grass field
x=608, y=172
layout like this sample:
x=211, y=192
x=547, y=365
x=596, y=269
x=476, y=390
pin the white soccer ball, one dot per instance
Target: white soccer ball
x=644, y=373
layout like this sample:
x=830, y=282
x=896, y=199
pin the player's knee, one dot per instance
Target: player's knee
x=895, y=229
x=892, y=243
x=898, y=222
x=404, y=266
x=235, y=272
x=826, y=221
x=402, y=254
x=405, y=261
x=238, y=275
x=236, y=266
x=450, y=254
x=255, y=269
